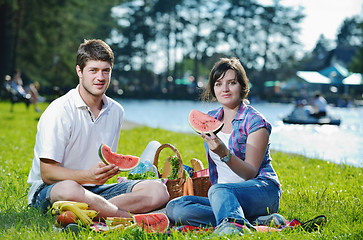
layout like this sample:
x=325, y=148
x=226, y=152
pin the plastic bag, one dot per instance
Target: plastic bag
x=147, y=159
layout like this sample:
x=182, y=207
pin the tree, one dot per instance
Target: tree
x=323, y=45
x=8, y=13
x=350, y=34
x=357, y=63
x=150, y=32
x=199, y=22
x=44, y=35
x=275, y=40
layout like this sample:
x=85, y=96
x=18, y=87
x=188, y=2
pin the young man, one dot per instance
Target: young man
x=66, y=165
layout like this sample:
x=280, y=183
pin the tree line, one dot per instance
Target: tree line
x=155, y=42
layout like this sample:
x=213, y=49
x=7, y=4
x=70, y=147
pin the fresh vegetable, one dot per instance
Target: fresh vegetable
x=145, y=175
x=174, y=162
x=201, y=122
x=124, y=162
x=185, y=189
x=189, y=183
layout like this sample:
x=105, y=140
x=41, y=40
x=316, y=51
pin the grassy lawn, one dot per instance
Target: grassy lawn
x=310, y=186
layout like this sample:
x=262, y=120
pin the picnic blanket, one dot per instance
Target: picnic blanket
x=78, y=218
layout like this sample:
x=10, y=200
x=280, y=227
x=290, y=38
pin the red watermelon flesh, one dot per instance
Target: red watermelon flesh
x=202, y=122
x=152, y=222
x=124, y=162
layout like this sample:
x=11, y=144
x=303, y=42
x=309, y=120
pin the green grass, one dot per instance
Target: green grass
x=311, y=187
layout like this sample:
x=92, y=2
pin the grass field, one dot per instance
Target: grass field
x=310, y=187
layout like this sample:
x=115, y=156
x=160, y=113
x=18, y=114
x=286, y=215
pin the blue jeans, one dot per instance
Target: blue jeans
x=41, y=198
x=243, y=202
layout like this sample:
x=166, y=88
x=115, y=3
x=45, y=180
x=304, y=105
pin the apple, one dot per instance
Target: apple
x=66, y=217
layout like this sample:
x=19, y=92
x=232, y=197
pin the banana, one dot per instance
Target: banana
x=81, y=205
x=90, y=213
x=85, y=219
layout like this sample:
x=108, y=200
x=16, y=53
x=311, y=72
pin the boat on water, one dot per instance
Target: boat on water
x=301, y=115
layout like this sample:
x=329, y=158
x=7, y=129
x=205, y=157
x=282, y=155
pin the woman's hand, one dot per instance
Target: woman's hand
x=255, y=150
x=215, y=144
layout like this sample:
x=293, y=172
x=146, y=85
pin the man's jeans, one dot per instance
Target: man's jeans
x=41, y=199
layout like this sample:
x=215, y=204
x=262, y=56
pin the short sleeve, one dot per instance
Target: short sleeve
x=257, y=121
x=53, y=134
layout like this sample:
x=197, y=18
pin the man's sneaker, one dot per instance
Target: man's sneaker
x=229, y=227
x=152, y=222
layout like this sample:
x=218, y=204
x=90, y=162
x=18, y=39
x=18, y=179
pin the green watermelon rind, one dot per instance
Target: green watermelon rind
x=215, y=131
x=106, y=162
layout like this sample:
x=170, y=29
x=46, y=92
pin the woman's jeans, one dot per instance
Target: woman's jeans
x=242, y=202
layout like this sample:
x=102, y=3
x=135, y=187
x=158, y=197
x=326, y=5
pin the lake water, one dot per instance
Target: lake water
x=338, y=144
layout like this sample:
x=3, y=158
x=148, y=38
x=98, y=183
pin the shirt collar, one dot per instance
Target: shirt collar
x=219, y=112
x=80, y=103
x=240, y=114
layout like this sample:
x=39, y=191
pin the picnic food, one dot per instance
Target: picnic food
x=81, y=205
x=174, y=163
x=65, y=218
x=203, y=123
x=197, y=165
x=152, y=222
x=85, y=216
x=188, y=188
x=115, y=221
x=189, y=183
x=124, y=162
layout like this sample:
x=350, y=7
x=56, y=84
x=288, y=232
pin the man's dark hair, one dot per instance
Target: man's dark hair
x=96, y=50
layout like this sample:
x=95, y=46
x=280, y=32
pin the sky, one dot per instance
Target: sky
x=322, y=17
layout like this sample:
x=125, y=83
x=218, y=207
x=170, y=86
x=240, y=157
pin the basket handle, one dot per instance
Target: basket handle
x=181, y=173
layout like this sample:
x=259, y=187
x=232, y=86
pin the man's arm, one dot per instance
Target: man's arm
x=52, y=172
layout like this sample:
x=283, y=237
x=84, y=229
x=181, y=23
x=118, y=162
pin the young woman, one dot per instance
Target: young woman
x=245, y=185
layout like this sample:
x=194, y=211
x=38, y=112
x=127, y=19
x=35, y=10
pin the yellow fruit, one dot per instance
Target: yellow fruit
x=82, y=216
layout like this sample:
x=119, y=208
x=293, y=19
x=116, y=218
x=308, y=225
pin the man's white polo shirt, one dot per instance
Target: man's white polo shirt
x=69, y=134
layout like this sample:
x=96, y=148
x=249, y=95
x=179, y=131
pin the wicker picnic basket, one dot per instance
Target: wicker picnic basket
x=175, y=186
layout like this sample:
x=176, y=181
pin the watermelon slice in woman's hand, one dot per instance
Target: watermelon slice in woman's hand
x=201, y=122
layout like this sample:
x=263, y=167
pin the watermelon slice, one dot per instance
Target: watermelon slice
x=201, y=122
x=152, y=222
x=124, y=162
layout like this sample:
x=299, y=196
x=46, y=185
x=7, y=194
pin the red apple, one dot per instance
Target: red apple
x=66, y=217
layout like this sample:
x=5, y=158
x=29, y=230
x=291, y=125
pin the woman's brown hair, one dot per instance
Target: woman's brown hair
x=219, y=70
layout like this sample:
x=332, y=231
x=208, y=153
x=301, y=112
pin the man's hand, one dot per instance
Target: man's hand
x=98, y=174
x=101, y=172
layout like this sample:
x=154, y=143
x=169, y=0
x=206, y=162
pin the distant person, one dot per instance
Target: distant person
x=300, y=109
x=319, y=106
x=244, y=183
x=17, y=84
x=28, y=94
x=17, y=93
x=66, y=165
x=35, y=97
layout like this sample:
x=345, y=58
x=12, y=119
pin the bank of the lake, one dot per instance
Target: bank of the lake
x=310, y=186
x=339, y=144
